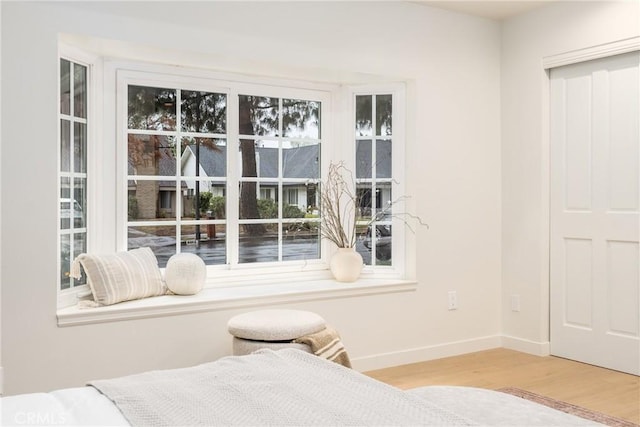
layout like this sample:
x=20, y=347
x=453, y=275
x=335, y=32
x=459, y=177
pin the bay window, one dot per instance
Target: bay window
x=227, y=167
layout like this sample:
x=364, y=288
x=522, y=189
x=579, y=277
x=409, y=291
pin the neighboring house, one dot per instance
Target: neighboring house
x=297, y=163
x=156, y=199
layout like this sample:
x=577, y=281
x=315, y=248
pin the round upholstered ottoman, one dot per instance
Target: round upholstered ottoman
x=273, y=329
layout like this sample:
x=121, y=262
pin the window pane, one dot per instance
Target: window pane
x=258, y=115
x=258, y=200
x=79, y=91
x=301, y=119
x=66, y=213
x=203, y=199
x=79, y=202
x=210, y=154
x=300, y=241
x=65, y=145
x=384, y=201
x=313, y=199
x=65, y=261
x=161, y=239
x=152, y=108
x=79, y=247
x=65, y=86
x=364, y=165
x=65, y=187
x=299, y=160
x=363, y=194
x=380, y=242
x=207, y=241
x=65, y=203
x=294, y=199
x=364, y=118
x=145, y=198
x=383, y=115
x=79, y=147
x=204, y=112
x=383, y=158
x=259, y=248
x=152, y=155
x=258, y=159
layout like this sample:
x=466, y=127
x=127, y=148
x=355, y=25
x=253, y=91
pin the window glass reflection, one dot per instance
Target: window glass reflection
x=79, y=147
x=300, y=119
x=65, y=145
x=65, y=87
x=383, y=115
x=161, y=240
x=151, y=155
x=300, y=241
x=205, y=157
x=204, y=112
x=79, y=91
x=384, y=152
x=258, y=115
x=208, y=241
x=364, y=116
x=299, y=160
x=151, y=108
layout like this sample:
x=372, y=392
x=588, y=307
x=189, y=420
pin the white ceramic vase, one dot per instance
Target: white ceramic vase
x=346, y=265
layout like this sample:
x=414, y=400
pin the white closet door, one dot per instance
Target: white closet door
x=595, y=205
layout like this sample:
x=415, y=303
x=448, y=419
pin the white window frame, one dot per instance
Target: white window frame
x=159, y=76
x=93, y=63
x=108, y=161
x=398, y=241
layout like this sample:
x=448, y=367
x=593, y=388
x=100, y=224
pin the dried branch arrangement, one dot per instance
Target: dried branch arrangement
x=339, y=207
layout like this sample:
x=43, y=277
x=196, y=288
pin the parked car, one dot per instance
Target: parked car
x=382, y=239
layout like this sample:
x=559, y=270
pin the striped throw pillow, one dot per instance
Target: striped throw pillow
x=122, y=276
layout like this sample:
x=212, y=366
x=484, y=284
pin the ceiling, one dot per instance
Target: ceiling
x=497, y=10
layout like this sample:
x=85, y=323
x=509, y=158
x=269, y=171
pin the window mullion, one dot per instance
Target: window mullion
x=178, y=175
x=280, y=176
x=233, y=179
x=374, y=175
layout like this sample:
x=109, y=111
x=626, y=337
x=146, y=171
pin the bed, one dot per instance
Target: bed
x=286, y=387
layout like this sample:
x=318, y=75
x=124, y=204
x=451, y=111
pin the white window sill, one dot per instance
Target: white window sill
x=222, y=298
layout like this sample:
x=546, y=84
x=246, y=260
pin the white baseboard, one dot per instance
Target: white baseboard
x=526, y=346
x=421, y=354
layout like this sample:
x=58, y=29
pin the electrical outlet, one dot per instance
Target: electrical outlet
x=453, y=300
x=515, y=302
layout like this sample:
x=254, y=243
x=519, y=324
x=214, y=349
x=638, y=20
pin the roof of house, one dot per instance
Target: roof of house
x=166, y=166
x=383, y=159
x=298, y=162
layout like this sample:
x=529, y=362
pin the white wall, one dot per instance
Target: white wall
x=452, y=63
x=526, y=40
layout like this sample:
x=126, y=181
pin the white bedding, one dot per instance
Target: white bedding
x=85, y=406
x=81, y=406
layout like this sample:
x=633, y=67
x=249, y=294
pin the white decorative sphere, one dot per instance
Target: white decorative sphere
x=185, y=274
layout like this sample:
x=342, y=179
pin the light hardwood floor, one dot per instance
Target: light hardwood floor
x=598, y=389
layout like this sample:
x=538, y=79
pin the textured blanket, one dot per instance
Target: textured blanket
x=328, y=345
x=288, y=387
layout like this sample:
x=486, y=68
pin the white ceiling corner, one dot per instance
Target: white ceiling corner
x=496, y=10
